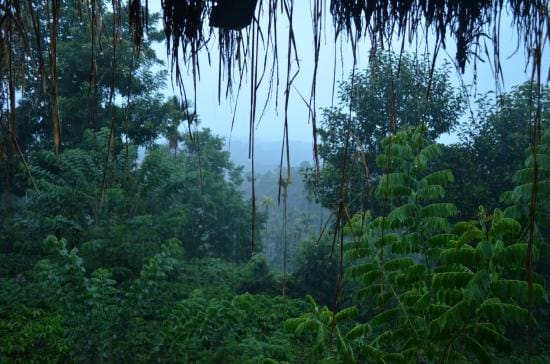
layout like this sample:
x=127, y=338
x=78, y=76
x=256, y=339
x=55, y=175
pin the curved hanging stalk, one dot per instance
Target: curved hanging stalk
x=392, y=131
x=110, y=104
x=288, y=6
x=12, y=126
x=341, y=208
x=27, y=168
x=38, y=36
x=317, y=17
x=252, y=119
x=427, y=100
x=284, y=186
x=92, y=20
x=135, y=52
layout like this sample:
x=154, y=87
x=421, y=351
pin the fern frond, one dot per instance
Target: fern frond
x=439, y=210
x=399, y=264
x=401, y=150
x=388, y=240
x=358, y=331
x=311, y=301
x=439, y=178
x=450, y=297
x=451, y=280
x=345, y=349
x=516, y=212
x=384, y=317
x=524, y=191
x=429, y=152
x=403, y=213
x=394, y=184
x=348, y=313
x=514, y=255
x=413, y=276
x=431, y=192
x=503, y=312
x=374, y=292
x=441, y=240
x=516, y=290
x=435, y=225
x=372, y=353
x=509, y=197
x=409, y=243
x=465, y=255
x=506, y=228
x=485, y=251
x=370, y=277
x=354, y=252
x=306, y=325
x=385, y=336
x=438, y=309
x=380, y=222
x=394, y=358
x=292, y=323
x=487, y=333
x=451, y=268
x=482, y=355
x=470, y=235
x=525, y=175
x=462, y=226
x=452, y=319
x=543, y=161
x=423, y=302
x=360, y=270
x=409, y=298
x=478, y=287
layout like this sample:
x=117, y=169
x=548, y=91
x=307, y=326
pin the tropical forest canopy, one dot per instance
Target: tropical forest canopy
x=128, y=234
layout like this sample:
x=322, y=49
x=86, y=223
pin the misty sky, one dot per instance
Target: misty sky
x=218, y=116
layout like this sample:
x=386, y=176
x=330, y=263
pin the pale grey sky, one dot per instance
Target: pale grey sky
x=218, y=116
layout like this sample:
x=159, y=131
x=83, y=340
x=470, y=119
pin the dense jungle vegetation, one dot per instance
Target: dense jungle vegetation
x=150, y=253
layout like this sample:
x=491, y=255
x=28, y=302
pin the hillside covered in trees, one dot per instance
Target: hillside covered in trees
x=128, y=234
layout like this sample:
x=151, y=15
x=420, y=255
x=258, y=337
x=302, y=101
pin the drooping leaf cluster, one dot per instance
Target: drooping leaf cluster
x=433, y=290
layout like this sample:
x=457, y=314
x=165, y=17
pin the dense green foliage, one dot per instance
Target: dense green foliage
x=130, y=224
x=493, y=146
x=134, y=242
x=89, y=87
x=387, y=96
x=435, y=291
x=120, y=249
x=176, y=310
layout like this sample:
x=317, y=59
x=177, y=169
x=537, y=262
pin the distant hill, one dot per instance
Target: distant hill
x=268, y=154
x=305, y=218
